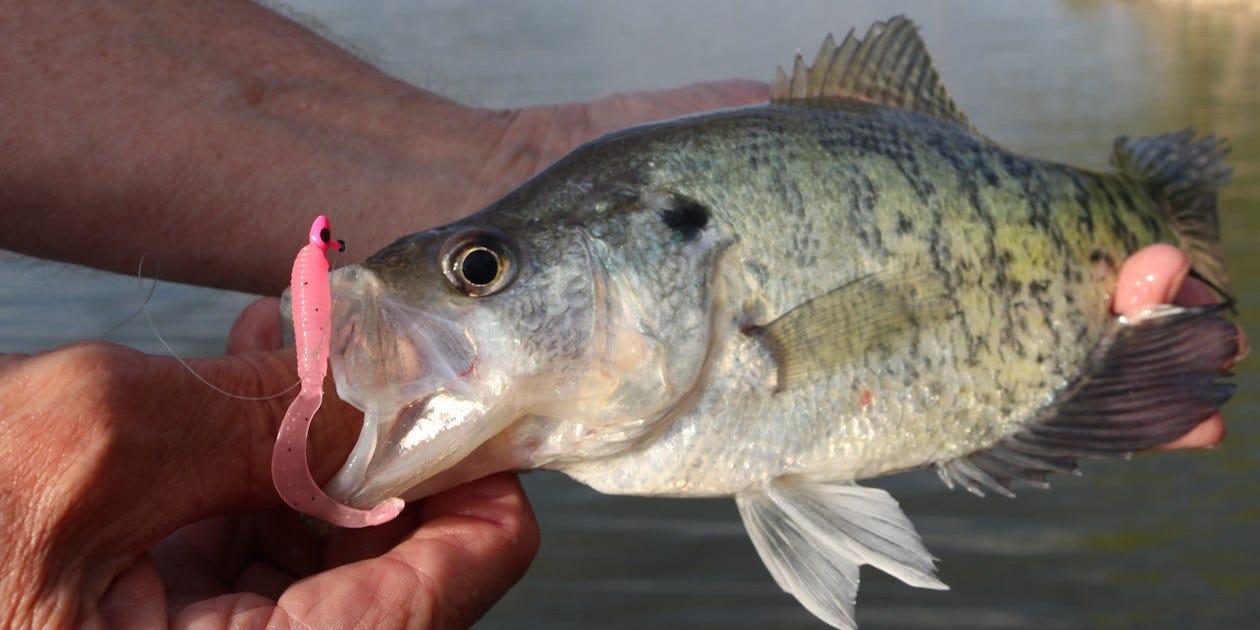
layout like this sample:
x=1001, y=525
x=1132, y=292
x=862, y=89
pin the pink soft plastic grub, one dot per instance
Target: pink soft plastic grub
x=312, y=312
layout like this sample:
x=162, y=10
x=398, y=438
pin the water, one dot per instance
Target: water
x=1161, y=541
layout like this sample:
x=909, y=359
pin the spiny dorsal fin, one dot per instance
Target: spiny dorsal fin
x=1184, y=173
x=889, y=66
x=881, y=309
x=1153, y=379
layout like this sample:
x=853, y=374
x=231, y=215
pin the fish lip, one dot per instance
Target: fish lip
x=350, y=484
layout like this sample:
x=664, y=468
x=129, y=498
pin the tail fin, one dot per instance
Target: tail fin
x=1184, y=173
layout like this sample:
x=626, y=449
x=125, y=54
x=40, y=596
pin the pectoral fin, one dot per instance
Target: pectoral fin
x=814, y=536
x=1153, y=378
x=879, y=311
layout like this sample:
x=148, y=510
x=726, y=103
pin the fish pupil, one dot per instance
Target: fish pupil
x=480, y=267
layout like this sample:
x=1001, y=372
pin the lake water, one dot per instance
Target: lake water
x=1168, y=540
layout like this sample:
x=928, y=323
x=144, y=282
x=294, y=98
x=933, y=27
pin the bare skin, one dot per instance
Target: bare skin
x=92, y=480
x=141, y=123
x=205, y=134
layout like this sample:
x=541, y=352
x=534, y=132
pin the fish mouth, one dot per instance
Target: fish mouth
x=410, y=370
x=387, y=352
x=395, y=455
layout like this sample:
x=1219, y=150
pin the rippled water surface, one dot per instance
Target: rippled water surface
x=1162, y=541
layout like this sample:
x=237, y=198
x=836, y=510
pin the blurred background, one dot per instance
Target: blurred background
x=1168, y=540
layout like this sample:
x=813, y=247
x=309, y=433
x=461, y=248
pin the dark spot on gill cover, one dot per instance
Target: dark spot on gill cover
x=686, y=219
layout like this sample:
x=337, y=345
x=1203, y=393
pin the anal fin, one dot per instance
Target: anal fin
x=814, y=536
x=1154, y=377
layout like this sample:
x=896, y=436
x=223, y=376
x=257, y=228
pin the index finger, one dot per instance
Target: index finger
x=1152, y=276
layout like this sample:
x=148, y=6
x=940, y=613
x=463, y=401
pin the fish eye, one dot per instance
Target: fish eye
x=477, y=264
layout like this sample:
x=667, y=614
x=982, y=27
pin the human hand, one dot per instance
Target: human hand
x=108, y=452
x=1158, y=275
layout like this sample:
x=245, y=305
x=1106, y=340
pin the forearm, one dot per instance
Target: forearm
x=207, y=134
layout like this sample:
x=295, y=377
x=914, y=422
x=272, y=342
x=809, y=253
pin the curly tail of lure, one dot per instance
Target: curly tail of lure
x=312, y=318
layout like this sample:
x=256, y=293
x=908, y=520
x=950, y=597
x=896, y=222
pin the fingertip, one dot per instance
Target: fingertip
x=474, y=544
x=497, y=507
x=1207, y=434
x=256, y=328
x=1152, y=275
x=495, y=498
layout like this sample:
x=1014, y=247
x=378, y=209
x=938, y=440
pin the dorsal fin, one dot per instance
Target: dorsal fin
x=889, y=66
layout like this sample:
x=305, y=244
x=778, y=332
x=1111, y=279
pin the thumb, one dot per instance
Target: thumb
x=1150, y=276
x=256, y=328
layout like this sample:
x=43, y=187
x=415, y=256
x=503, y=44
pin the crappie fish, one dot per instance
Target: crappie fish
x=775, y=302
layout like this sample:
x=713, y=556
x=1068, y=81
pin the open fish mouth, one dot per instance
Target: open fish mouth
x=387, y=353
x=410, y=370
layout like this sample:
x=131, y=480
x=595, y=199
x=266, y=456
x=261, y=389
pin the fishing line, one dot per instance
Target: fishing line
x=143, y=303
x=144, y=310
